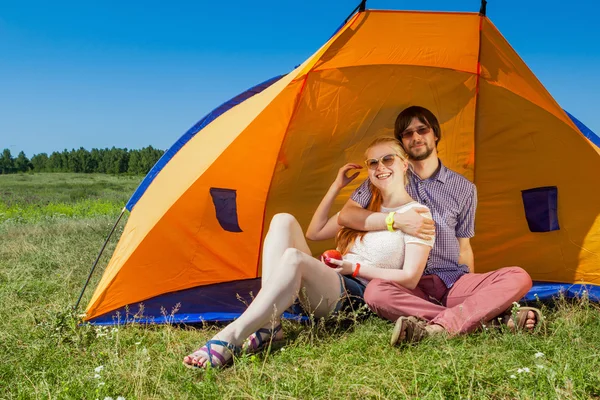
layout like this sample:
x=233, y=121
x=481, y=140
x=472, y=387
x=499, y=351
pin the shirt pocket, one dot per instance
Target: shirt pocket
x=450, y=216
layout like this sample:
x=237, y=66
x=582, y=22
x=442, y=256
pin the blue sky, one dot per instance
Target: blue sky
x=137, y=73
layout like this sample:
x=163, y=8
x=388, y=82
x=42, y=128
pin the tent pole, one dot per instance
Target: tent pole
x=360, y=8
x=98, y=258
x=483, y=8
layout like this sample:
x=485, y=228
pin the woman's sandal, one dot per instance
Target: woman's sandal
x=258, y=343
x=520, y=319
x=412, y=326
x=207, y=349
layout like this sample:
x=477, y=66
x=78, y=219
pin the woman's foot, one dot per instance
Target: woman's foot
x=266, y=336
x=216, y=353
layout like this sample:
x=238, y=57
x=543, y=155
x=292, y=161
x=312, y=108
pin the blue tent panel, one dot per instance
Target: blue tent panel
x=211, y=116
x=218, y=302
x=548, y=290
x=587, y=132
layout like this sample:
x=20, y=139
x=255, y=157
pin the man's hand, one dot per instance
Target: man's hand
x=413, y=223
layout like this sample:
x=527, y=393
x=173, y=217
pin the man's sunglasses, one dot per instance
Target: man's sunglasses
x=424, y=130
x=387, y=161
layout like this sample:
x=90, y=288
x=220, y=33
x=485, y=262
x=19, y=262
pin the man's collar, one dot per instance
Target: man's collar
x=441, y=174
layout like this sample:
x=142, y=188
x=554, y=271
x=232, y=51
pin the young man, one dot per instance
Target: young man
x=449, y=295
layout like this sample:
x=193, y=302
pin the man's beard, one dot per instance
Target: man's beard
x=421, y=156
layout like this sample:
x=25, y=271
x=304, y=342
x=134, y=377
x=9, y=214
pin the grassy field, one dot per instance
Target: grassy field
x=51, y=227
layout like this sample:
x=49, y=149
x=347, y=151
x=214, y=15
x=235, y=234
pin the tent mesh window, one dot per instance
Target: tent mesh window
x=541, y=206
x=226, y=208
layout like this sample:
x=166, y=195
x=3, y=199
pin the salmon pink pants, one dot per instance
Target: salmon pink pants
x=474, y=299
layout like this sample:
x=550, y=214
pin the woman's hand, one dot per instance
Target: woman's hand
x=341, y=180
x=344, y=267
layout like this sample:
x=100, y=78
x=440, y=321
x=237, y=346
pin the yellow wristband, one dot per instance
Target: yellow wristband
x=389, y=220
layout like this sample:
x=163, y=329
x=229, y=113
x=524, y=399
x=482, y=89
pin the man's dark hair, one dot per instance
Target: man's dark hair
x=422, y=114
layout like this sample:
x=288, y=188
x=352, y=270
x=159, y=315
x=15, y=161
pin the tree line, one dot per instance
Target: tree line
x=109, y=161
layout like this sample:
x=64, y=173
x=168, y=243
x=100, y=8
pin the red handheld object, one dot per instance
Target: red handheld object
x=329, y=254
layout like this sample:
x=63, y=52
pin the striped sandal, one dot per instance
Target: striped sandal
x=191, y=361
x=262, y=339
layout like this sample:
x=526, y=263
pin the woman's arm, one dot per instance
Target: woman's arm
x=321, y=225
x=415, y=259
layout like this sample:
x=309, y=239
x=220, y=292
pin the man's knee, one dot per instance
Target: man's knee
x=376, y=292
x=519, y=277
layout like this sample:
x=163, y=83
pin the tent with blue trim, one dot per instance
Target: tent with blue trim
x=190, y=250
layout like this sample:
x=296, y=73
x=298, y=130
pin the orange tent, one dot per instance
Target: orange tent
x=197, y=222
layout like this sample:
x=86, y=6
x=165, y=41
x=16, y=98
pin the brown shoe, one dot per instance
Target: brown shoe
x=413, y=328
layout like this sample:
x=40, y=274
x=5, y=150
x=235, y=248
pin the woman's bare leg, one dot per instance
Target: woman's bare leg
x=284, y=232
x=297, y=272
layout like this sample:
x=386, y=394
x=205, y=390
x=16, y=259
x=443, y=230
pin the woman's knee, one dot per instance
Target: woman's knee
x=283, y=221
x=292, y=258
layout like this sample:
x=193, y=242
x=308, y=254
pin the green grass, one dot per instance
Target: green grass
x=45, y=354
x=26, y=198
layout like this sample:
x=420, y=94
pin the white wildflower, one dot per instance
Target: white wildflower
x=516, y=305
x=539, y=366
x=101, y=383
x=99, y=369
x=520, y=370
x=96, y=376
x=282, y=349
x=526, y=369
x=108, y=398
x=538, y=354
x=513, y=377
x=138, y=343
x=120, y=398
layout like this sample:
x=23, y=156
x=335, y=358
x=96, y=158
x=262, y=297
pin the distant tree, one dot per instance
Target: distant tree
x=65, y=161
x=7, y=163
x=149, y=156
x=54, y=162
x=22, y=163
x=39, y=162
x=135, y=166
x=96, y=160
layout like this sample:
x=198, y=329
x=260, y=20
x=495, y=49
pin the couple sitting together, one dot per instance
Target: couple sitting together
x=386, y=234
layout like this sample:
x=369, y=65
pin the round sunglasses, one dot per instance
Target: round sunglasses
x=387, y=161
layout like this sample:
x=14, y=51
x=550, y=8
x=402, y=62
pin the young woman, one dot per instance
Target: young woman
x=292, y=277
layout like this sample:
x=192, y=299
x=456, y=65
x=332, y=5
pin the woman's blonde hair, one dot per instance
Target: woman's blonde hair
x=347, y=236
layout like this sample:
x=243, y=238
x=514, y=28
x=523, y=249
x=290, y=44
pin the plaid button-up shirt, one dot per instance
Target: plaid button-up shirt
x=452, y=200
